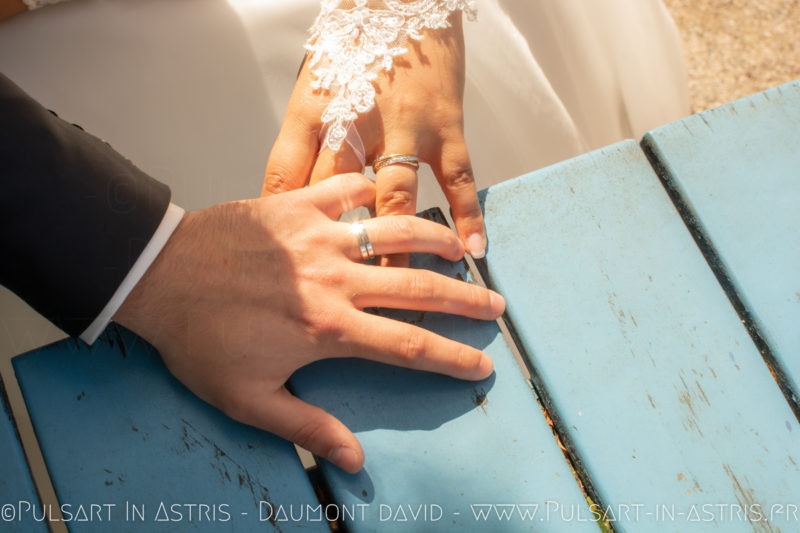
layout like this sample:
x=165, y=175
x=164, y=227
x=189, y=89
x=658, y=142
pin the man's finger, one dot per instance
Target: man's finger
x=424, y=290
x=404, y=234
x=342, y=193
x=400, y=344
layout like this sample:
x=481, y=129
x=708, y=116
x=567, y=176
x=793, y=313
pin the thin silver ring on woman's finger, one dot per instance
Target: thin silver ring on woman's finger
x=364, y=244
x=395, y=159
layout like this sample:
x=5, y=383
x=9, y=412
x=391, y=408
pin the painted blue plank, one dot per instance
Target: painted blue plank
x=660, y=391
x=129, y=448
x=18, y=497
x=737, y=169
x=444, y=454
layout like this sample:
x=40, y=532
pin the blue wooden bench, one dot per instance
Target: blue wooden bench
x=653, y=297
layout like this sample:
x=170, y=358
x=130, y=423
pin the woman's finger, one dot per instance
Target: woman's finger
x=349, y=158
x=292, y=158
x=454, y=172
x=396, y=194
x=330, y=163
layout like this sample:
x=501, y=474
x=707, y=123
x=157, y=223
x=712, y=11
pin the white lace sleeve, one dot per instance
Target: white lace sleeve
x=36, y=4
x=352, y=40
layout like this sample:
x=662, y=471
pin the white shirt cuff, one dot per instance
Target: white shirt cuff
x=168, y=224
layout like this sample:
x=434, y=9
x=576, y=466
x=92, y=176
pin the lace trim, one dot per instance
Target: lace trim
x=36, y=4
x=350, y=45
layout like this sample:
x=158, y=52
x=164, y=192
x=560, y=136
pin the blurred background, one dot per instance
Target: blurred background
x=737, y=47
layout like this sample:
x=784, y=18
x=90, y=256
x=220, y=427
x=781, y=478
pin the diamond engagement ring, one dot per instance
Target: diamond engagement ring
x=395, y=159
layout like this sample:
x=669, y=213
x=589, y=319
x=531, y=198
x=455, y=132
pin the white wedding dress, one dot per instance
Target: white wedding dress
x=194, y=91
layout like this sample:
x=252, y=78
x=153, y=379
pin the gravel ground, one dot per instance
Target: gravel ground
x=737, y=47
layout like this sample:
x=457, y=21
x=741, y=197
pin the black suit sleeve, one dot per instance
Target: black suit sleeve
x=74, y=214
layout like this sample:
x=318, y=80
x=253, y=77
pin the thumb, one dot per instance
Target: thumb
x=309, y=427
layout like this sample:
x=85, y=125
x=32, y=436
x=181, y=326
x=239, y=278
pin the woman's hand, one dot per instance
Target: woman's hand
x=245, y=293
x=9, y=8
x=418, y=111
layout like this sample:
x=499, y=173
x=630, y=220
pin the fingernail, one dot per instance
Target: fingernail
x=345, y=458
x=476, y=245
x=497, y=303
x=486, y=367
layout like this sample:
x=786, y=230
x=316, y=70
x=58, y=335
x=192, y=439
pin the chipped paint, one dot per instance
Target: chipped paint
x=746, y=498
x=224, y=464
x=480, y=399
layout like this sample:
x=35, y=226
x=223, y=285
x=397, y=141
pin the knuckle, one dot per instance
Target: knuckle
x=324, y=326
x=479, y=298
x=413, y=348
x=420, y=286
x=331, y=326
x=321, y=322
x=310, y=434
x=459, y=177
x=467, y=360
x=406, y=104
x=326, y=276
x=397, y=201
x=278, y=179
x=447, y=241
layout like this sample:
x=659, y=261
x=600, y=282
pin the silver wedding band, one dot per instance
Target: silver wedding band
x=395, y=159
x=364, y=244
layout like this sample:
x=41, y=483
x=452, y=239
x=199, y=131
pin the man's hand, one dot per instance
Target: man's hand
x=245, y=293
